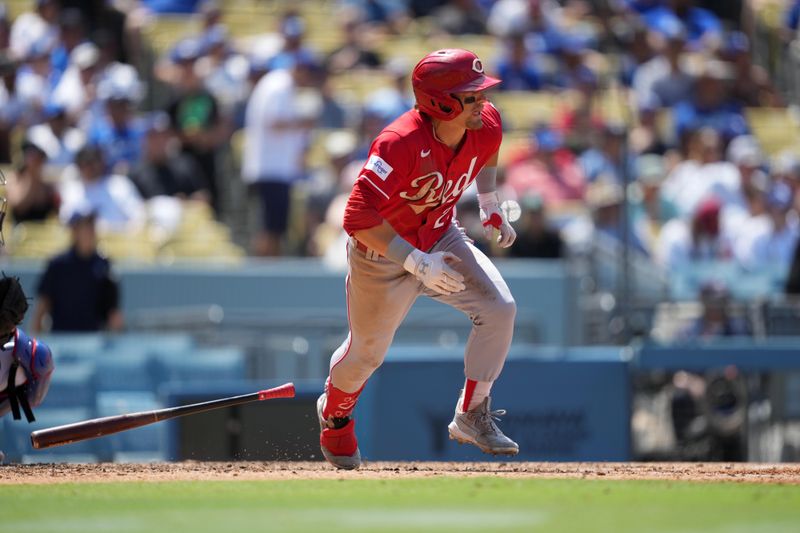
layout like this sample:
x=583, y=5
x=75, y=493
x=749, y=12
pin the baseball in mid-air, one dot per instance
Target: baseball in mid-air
x=511, y=209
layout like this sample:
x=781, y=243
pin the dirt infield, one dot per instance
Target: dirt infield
x=188, y=471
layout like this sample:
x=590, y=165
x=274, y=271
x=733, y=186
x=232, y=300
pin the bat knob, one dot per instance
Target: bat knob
x=284, y=391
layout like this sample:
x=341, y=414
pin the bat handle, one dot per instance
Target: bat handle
x=284, y=391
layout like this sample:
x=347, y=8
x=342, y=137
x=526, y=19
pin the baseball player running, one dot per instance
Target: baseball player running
x=25, y=363
x=404, y=242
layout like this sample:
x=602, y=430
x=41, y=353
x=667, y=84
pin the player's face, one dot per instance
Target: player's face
x=473, y=103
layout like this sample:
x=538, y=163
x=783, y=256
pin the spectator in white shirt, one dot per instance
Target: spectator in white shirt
x=773, y=245
x=278, y=122
x=785, y=167
x=745, y=212
x=112, y=197
x=682, y=243
x=702, y=174
x=76, y=90
x=745, y=153
x=32, y=27
x=35, y=79
x=57, y=138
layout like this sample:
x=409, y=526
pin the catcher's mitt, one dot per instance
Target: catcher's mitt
x=13, y=305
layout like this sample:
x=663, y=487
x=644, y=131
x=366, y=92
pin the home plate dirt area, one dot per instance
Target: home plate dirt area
x=190, y=471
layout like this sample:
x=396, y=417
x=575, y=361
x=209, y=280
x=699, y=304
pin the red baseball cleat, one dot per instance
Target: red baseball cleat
x=337, y=439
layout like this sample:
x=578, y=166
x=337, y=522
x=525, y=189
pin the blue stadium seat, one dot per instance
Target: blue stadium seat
x=59, y=458
x=129, y=371
x=203, y=364
x=74, y=347
x=139, y=457
x=151, y=343
x=73, y=385
x=17, y=442
x=3, y=437
x=147, y=439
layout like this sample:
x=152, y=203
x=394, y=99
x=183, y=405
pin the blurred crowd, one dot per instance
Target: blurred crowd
x=89, y=117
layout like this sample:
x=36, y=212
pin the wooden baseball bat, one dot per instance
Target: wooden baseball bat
x=98, y=427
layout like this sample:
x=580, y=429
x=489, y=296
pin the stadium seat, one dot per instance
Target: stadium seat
x=150, y=343
x=357, y=85
x=74, y=347
x=209, y=252
x=133, y=248
x=147, y=439
x=781, y=318
x=155, y=456
x=49, y=458
x=685, y=283
x=17, y=442
x=3, y=437
x=17, y=7
x=131, y=371
x=412, y=48
x=72, y=385
x=163, y=31
x=202, y=364
x=775, y=128
x=200, y=237
x=523, y=110
x=38, y=240
x=614, y=106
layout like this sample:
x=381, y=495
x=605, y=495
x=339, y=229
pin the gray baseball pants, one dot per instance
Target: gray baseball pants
x=380, y=294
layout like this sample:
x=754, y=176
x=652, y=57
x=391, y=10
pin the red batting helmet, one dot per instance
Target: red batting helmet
x=444, y=72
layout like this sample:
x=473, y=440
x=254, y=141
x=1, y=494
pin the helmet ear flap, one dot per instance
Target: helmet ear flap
x=439, y=105
x=460, y=106
x=451, y=106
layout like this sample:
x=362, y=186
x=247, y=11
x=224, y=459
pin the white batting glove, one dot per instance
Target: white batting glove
x=434, y=271
x=495, y=225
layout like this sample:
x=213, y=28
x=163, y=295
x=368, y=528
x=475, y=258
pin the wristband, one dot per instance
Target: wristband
x=398, y=250
x=486, y=180
x=413, y=260
x=486, y=199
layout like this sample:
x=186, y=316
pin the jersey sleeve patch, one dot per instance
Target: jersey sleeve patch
x=381, y=168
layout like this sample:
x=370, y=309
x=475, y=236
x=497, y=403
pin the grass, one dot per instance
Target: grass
x=403, y=505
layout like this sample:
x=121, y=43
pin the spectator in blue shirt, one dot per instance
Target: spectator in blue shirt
x=703, y=27
x=711, y=106
x=293, y=30
x=120, y=132
x=171, y=6
x=516, y=68
x=642, y=6
x=72, y=32
x=715, y=320
x=572, y=73
x=605, y=160
x=791, y=22
x=663, y=81
x=752, y=86
x=391, y=14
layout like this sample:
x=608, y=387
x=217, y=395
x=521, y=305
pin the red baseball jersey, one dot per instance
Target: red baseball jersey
x=413, y=181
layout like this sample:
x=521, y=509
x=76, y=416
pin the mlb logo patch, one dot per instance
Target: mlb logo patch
x=379, y=167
